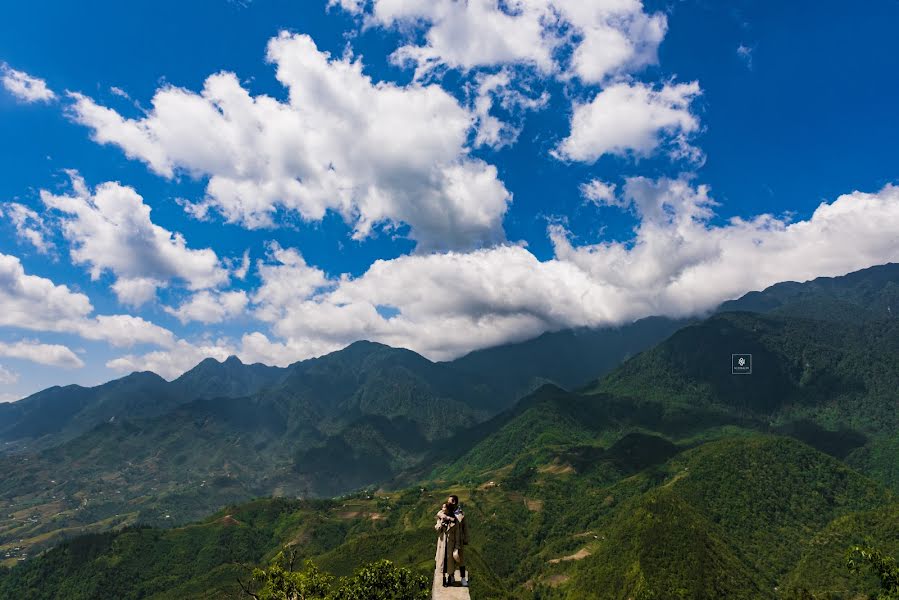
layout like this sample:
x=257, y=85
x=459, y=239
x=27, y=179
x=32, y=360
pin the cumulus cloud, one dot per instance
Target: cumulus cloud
x=240, y=270
x=37, y=304
x=122, y=331
x=29, y=225
x=601, y=193
x=110, y=229
x=255, y=347
x=375, y=152
x=174, y=361
x=493, y=88
x=589, y=40
x=285, y=276
x=211, y=307
x=25, y=87
x=54, y=355
x=633, y=119
x=678, y=263
x=8, y=377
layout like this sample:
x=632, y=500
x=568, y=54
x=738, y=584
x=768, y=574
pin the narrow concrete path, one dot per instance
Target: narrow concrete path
x=457, y=592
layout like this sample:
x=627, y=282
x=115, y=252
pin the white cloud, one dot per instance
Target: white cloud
x=633, y=119
x=117, y=91
x=678, y=263
x=25, y=87
x=29, y=225
x=122, y=331
x=136, y=291
x=7, y=377
x=37, y=304
x=374, y=152
x=54, y=355
x=601, y=193
x=745, y=54
x=240, y=271
x=253, y=347
x=492, y=87
x=285, y=277
x=172, y=362
x=110, y=230
x=257, y=347
x=601, y=38
x=211, y=307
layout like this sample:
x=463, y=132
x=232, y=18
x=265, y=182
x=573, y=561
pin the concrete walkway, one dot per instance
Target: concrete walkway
x=457, y=592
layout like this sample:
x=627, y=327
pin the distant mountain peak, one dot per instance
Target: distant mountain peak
x=366, y=345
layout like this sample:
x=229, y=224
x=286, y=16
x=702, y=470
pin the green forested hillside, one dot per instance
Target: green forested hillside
x=667, y=478
x=833, y=385
x=870, y=294
x=364, y=378
x=731, y=518
x=326, y=426
x=570, y=358
x=141, y=449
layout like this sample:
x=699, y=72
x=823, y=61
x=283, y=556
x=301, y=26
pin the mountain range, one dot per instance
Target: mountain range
x=618, y=463
x=142, y=449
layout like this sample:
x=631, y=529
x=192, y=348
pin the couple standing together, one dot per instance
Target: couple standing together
x=452, y=537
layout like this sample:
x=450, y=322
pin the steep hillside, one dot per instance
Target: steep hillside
x=364, y=378
x=833, y=373
x=325, y=427
x=867, y=295
x=228, y=379
x=821, y=570
x=570, y=358
x=733, y=518
x=143, y=449
x=662, y=548
x=60, y=413
x=552, y=421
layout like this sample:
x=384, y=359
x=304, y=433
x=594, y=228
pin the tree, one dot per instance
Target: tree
x=883, y=566
x=380, y=580
x=280, y=582
x=383, y=580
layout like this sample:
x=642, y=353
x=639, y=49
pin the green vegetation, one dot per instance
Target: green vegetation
x=668, y=478
x=715, y=520
x=142, y=450
x=884, y=568
x=381, y=580
x=821, y=570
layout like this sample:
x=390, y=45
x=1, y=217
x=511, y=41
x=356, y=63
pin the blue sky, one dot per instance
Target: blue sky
x=442, y=176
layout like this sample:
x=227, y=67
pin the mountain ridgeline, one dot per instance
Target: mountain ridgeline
x=141, y=449
x=619, y=463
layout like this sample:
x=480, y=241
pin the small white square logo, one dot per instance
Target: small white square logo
x=741, y=364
